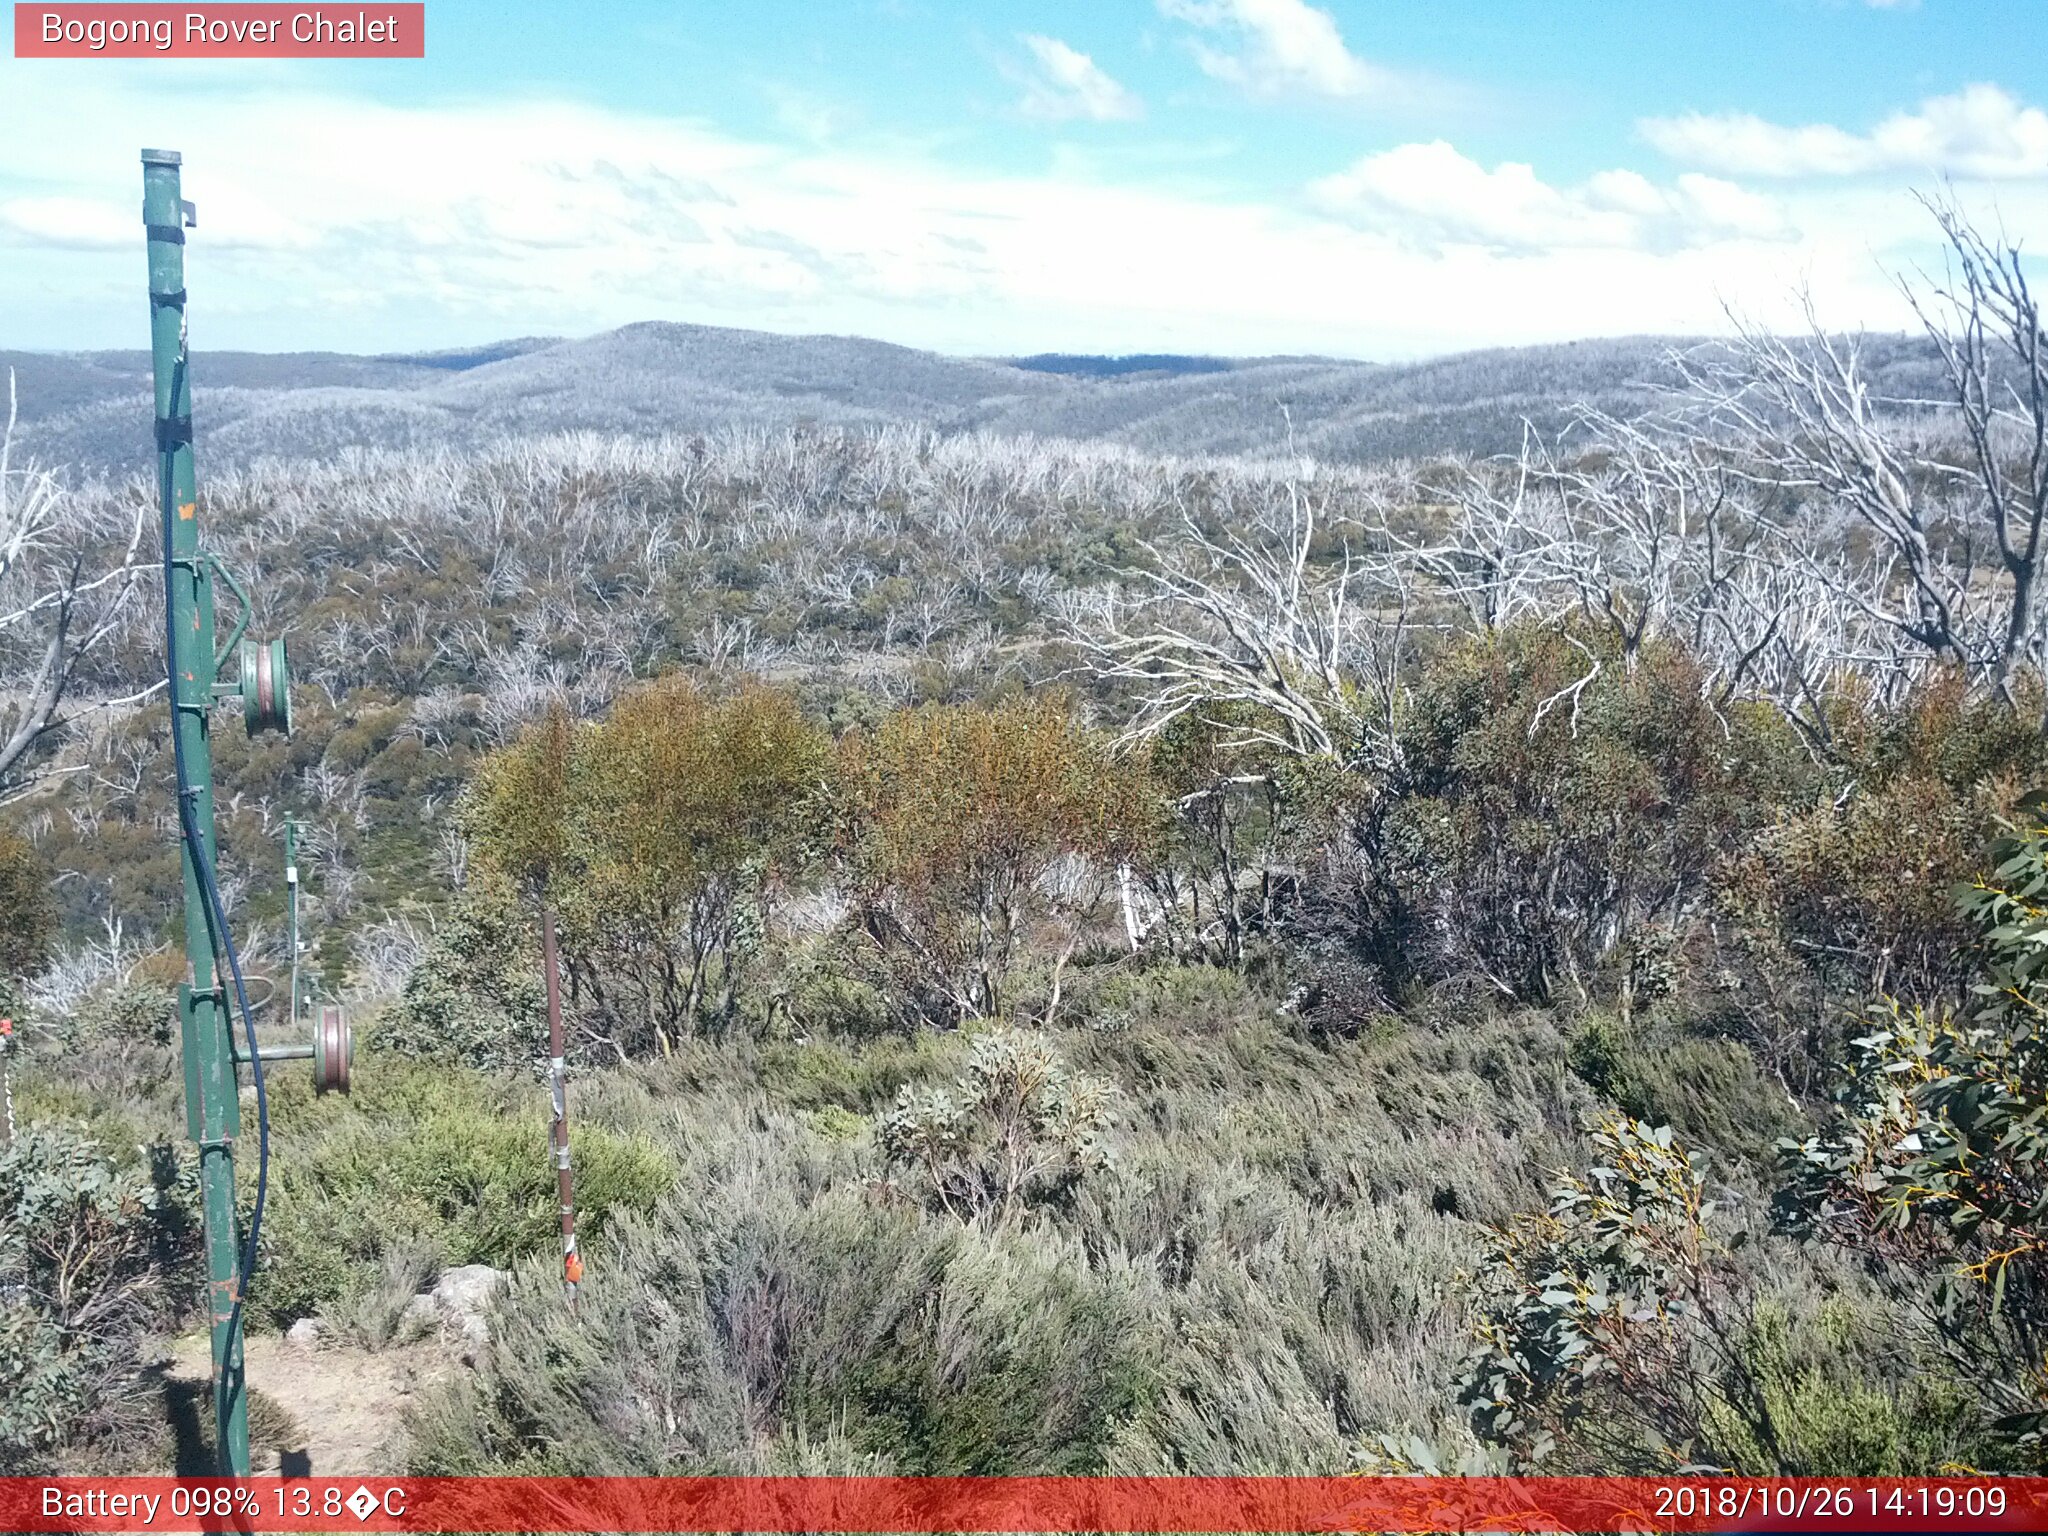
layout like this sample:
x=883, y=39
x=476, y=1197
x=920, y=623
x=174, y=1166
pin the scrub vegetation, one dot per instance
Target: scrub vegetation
x=1079, y=961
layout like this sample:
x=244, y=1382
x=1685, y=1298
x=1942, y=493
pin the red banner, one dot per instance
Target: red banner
x=1023, y=1504
x=229, y=31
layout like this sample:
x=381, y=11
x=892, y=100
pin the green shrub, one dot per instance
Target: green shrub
x=1257, y=1284
x=861, y=1076
x=49, y=1386
x=1606, y=1324
x=822, y=1000
x=632, y=1383
x=134, y=1010
x=957, y=818
x=1017, y=1129
x=975, y=1355
x=89, y=1256
x=428, y=1153
x=376, y=1310
x=1710, y=1091
x=28, y=914
x=727, y=1337
x=660, y=836
x=1241, y=806
x=476, y=996
x=1555, y=799
x=1855, y=882
x=1198, y=998
x=836, y=1124
x=122, y=1092
x=1929, y=1170
x=1626, y=1331
x=1842, y=1402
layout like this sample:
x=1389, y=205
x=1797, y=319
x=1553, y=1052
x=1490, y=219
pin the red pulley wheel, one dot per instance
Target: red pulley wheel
x=333, y=1048
x=266, y=687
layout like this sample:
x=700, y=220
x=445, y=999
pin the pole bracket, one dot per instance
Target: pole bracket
x=227, y=578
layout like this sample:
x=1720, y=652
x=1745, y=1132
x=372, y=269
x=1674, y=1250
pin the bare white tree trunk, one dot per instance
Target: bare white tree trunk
x=64, y=586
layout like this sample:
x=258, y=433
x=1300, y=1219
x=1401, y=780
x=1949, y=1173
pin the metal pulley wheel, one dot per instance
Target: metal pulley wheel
x=266, y=687
x=333, y=1048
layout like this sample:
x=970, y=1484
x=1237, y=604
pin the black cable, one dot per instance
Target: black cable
x=224, y=940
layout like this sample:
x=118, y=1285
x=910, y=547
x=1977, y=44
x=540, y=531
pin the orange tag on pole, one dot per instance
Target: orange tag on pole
x=572, y=1268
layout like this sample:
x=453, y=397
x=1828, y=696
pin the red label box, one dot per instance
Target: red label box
x=370, y=30
x=700, y=1506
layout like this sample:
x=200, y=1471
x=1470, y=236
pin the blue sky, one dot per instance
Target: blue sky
x=1243, y=176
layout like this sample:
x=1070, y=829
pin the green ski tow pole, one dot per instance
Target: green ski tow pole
x=211, y=1053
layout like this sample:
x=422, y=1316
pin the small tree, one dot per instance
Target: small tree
x=689, y=810
x=519, y=812
x=967, y=825
x=1559, y=802
x=1239, y=808
x=657, y=835
x=1605, y=1323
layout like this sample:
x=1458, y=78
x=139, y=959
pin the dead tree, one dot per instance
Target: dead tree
x=65, y=583
x=1254, y=618
x=1953, y=492
x=1986, y=325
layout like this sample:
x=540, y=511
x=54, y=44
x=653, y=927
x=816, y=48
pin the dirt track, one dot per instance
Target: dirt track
x=346, y=1402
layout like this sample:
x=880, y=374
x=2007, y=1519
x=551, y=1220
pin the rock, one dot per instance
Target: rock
x=458, y=1302
x=306, y=1333
x=422, y=1315
x=467, y=1289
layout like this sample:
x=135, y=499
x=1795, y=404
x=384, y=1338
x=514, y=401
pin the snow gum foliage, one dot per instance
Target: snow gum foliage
x=1932, y=1166
x=1018, y=1127
x=1628, y=1329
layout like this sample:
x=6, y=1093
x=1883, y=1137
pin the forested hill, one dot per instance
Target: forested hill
x=90, y=410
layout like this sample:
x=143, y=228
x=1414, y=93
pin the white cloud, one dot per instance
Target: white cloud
x=1980, y=132
x=74, y=223
x=1284, y=47
x=332, y=220
x=1069, y=84
x=1432, y=195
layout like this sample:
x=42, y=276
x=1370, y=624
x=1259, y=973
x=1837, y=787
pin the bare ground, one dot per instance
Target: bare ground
x=341, y=1405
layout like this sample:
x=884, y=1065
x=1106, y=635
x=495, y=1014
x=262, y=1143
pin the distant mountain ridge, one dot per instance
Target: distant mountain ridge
x=91, y=410
x=1096, y=365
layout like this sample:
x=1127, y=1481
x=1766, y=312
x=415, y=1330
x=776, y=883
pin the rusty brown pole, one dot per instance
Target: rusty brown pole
x=558, y=1090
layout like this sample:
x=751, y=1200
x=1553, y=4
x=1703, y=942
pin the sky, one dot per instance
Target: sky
x=1362, y=178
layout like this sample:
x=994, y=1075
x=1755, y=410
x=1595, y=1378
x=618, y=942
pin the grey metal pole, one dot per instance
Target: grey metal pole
x=558, y=1092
